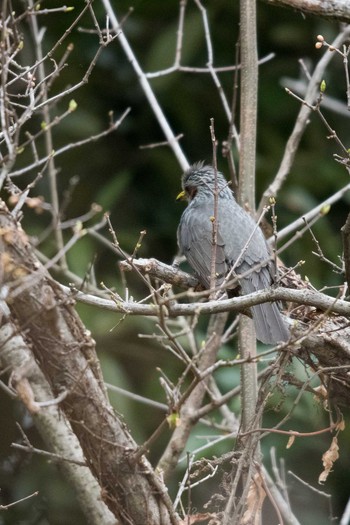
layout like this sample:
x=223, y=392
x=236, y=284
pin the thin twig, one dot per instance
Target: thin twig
x=50, y=455
x=152, y=100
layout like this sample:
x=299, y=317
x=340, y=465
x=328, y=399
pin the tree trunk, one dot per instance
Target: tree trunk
x=65, y=352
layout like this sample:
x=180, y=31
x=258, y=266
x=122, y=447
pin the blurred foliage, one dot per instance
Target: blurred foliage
x=138, y=187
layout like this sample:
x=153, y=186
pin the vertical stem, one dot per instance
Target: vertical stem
x=249, y=391
x=215, y=217
x=249, y=97
x=49, y=144
x=246, y=196
x=243, y=472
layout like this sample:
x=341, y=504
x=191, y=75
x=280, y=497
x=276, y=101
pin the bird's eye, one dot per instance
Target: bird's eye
x=191, y=192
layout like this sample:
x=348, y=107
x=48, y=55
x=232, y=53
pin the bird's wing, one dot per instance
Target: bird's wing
x=195, y=239
x=243, y=239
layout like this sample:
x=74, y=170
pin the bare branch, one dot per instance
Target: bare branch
x=301, y=121
x=180, y=436
x=71, y=365
x=6, y=507
x=51, y=424
x=333, y=9
x=153, y=102
x=302, y=296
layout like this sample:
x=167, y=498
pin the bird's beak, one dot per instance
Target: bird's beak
x=181, y=196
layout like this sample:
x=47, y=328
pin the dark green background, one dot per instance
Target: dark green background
x=139, y=186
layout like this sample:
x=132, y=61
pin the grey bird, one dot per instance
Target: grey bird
x=240, y=245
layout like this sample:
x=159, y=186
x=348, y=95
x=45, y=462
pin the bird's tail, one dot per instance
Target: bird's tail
x=269, y=324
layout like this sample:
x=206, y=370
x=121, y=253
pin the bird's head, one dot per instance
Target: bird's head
x=201, y=179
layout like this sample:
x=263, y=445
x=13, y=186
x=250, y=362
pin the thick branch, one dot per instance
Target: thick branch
x=52, y=425
x=331, y=348
x=237, y=304
x=174, y=276
x=333, y=9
